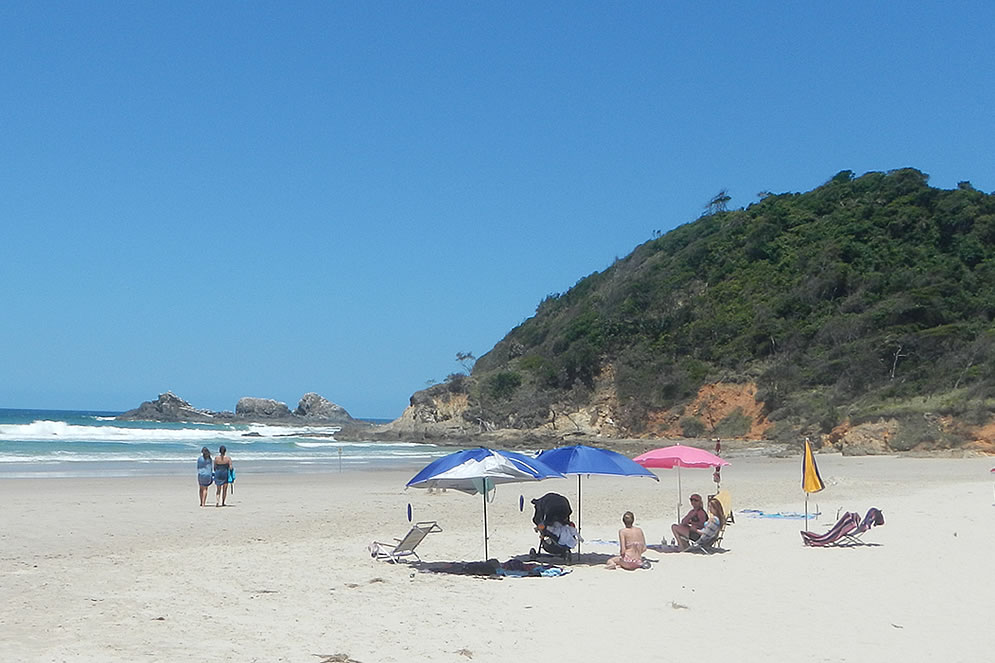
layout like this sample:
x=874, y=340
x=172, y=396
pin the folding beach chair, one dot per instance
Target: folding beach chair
x=707, y=546
x=835, y=536
x=873, y=518
x=725, y=499
x=714, y=545
x=405, y=547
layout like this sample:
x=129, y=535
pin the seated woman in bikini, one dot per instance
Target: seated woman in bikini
x=631, y=545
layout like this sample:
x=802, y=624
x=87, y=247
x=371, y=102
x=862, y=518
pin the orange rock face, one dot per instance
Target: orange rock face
x=714, y=403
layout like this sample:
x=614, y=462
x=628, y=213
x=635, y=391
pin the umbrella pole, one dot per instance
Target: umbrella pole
x=484, y=493
x=806, y=512
x=578, y=515
x=680, y=493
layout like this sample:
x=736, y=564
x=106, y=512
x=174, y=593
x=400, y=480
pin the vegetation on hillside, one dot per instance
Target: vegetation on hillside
x=866, y=297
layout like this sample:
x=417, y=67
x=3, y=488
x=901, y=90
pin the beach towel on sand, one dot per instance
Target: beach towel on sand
x=791, y=515
x=513, y=568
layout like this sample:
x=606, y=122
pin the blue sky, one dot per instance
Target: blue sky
x=229, y=199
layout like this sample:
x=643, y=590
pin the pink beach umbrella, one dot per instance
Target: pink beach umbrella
x=679, y=456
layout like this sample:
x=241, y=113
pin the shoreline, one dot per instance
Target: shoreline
x=331, y=464
x=114, y=469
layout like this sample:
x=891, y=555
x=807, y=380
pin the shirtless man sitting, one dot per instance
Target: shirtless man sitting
x=631, y=545
x=688, y=528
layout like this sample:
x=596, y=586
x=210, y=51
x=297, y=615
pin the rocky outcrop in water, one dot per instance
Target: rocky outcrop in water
x=311, y=410
x=313, y=406
x=170, y=407
x=258, y=409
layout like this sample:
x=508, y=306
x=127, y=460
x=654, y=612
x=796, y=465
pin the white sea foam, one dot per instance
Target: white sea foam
x=293, y=431
x=44, y=430
x=51, y=431
x=186, y=458
x=101, y=446
x=365, y=445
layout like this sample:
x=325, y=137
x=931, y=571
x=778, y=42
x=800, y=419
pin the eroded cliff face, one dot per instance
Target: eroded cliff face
x=726, y=410
x=864, y=439
x=714, y=404
x=984, y=439
x=435, y=414
x=438, y=412
x=921, y=434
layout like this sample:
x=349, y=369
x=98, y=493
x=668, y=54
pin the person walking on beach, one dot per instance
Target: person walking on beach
x=691, y=523
x=205, y=473
x=631, y=546
x=222, y=466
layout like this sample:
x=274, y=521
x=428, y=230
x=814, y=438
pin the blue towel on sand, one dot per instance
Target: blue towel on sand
x=547, y=571
x=791, y=515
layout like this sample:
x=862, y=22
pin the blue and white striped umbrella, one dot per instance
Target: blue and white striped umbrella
x=478, y=470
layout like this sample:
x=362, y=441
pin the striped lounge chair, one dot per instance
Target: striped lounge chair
x=873, y=518
x=835, y=536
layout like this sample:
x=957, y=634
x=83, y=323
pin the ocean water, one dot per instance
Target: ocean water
x=60, y=443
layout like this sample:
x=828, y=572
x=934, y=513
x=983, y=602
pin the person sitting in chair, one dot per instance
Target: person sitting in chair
x=631, y=545
x=716, y=521
x=691, y=523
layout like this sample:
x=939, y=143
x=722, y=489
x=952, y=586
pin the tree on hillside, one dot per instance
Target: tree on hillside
x=466, y=360
x=718, y=203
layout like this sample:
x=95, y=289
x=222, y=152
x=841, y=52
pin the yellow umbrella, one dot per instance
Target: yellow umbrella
x=811, y=481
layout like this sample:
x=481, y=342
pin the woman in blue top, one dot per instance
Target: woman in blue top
x=205, y=475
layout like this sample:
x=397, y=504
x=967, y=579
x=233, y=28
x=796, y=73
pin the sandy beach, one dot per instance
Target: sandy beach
x=134, y=570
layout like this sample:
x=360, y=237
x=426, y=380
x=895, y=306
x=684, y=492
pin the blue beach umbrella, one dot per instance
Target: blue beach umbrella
x=479, y=470
x=581, y=459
